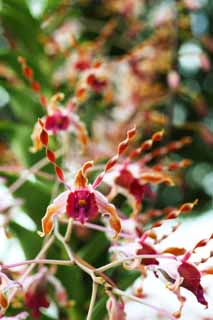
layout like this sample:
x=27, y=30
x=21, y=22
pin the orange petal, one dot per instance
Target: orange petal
x=37, y=145
x=108, y=208
x=3, y=301
x=156, y=178
x=208, y=270
x=80, y=178
x=174, y=250
x=47, y=220
x=114, y=220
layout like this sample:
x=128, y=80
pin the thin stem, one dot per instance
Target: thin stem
x=37, y=261
x=70, y=253
x=139, y=256
x=92, y=301
x=61, y=239
x=33, y=170
x=133, y=298
x=31, y=267
x=97, y=227
x=69, y=231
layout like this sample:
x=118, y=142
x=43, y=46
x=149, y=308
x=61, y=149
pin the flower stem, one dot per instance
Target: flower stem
x=140, y=256
x=37, y=261
x=92, y=301
x=100, y=228
x=62, y=240
x=69, y=231
x=133, y=298
x=34, y=169
x=30, y=268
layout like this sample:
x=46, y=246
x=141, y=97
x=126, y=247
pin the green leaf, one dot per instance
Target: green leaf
x=100, y=242
x=30, y=241
x=30, y=192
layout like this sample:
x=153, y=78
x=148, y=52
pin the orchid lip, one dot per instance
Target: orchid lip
x=81, y=205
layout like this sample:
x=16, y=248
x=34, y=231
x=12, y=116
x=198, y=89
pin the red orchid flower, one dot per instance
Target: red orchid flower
x=57, y=122
x=95, y=83
x=128, y=181
x=59, y=119
x=82, y=201
x=135, y=177
x=186, y=274
x=82, y=64
x=36, y=297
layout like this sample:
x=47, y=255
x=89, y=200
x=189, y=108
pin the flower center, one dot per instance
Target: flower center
x=82, y=202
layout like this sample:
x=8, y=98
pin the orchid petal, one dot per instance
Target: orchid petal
x=58, y=207
x=106, y=207
x=80, y=180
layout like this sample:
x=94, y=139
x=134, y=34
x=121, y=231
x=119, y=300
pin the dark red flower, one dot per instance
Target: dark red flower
x=35, y=299
x=95, y=83
x=191, y=281
x=147, y=249
x=81, y=205
x=129, y=182
x=57, y=122
x=82, y=65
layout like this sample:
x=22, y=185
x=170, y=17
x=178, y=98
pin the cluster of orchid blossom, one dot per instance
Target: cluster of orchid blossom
x=135, y=243
x=137, y=247
x=135, y=240
x=142, y=251
x=130, y=82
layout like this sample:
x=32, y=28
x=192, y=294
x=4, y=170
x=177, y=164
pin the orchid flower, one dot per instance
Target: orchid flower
x=133, y=178
x=81, y=201
x=36, y=291
x=183, y=273
x=6, y=285
x=58, y=118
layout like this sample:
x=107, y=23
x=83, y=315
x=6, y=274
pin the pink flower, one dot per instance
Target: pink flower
x=115, y=309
